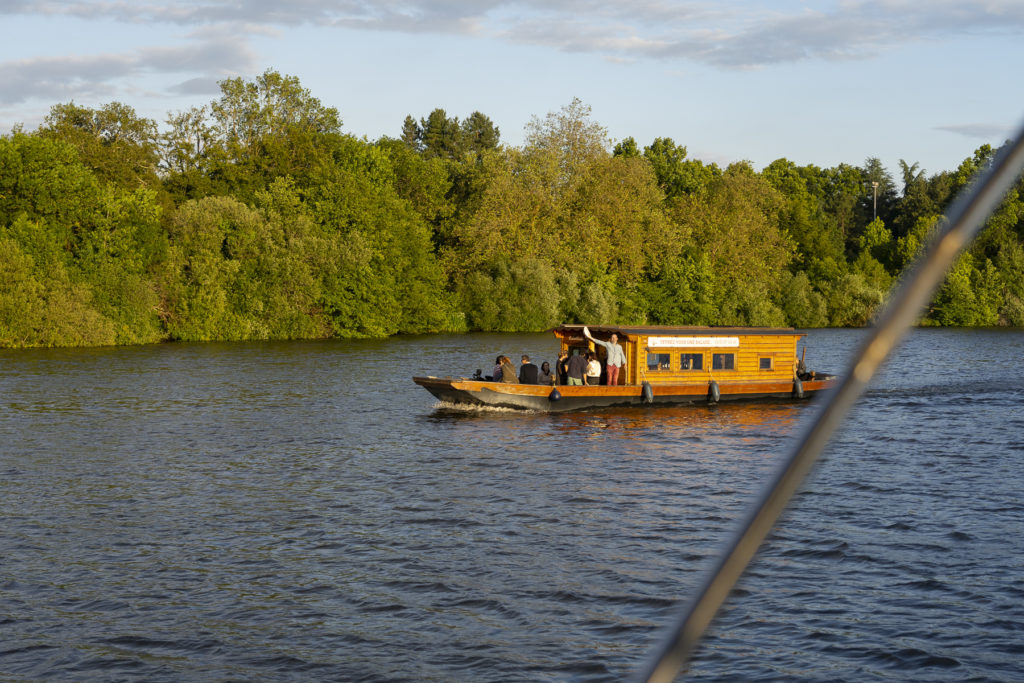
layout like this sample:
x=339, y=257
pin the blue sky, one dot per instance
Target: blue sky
x=926, y=81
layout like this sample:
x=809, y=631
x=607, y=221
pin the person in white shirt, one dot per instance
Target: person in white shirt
x=593, y=370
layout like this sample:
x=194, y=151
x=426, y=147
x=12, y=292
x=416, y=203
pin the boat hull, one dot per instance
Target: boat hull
x=535, y=397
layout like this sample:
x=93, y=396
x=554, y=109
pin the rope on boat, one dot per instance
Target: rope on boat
x=967, y=216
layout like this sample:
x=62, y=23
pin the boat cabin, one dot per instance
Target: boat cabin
x=684, y=355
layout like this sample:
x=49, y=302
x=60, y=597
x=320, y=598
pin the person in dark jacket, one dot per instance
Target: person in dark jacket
x=562, y=367
x=527, y=371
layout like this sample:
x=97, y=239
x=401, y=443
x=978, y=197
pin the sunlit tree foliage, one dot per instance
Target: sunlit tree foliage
x=256, y=216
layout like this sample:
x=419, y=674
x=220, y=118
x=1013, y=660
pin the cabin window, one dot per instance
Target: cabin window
x=691, y=361
x=764, y=363
x=659, y=361
x=723, y=361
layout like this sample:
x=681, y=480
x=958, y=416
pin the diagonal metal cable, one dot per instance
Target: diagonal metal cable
x=966, y=217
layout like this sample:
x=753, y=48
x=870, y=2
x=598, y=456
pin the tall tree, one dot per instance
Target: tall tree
x=271, y=105
x=441, y=136
x=916, y=201
x=735, y=225
x=626, y=148
x=879, y=199
x=188, y=151
x=412, y=134
x=569, y=136
x=970, y=167
x=268, y=128
x=803, y=216
x=188, y=141
x=842, y=191
x=479, y=133
x=676, y=174
x=116, y=143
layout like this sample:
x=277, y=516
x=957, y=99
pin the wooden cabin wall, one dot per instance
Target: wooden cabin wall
x=781, y=348
x=629, y=347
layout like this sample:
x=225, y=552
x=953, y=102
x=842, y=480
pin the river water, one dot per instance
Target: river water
x=301, y=511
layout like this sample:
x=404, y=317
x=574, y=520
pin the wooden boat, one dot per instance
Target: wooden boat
x=663, y=365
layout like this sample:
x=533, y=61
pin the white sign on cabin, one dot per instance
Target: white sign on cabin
x=692, y=342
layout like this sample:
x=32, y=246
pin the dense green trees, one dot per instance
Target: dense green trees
x=81, y=251
x=257, y=217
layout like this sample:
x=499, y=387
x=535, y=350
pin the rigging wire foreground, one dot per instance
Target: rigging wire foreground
x=966, y=217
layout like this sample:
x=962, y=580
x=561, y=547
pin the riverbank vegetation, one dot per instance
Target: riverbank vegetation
x=256, y=217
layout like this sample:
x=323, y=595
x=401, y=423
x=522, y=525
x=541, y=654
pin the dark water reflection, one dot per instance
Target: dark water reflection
x=302, y=512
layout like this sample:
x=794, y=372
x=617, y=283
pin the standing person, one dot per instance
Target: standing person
x=575, y=369
x=593, y=370
x=545, y=376
x=616, y=356
x=528, y=372
x=508, y=371
x=562, y=367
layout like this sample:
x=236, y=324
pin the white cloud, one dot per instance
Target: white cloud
x=721, y=34
x=197, y=86
x=374, y=14
x=738, y=35
x=97, y=76
x=725, y=34
x=61, y=78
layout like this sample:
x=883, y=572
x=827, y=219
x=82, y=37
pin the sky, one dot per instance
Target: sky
x=816, y=82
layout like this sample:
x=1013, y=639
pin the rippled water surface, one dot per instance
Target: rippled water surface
x=302, y=511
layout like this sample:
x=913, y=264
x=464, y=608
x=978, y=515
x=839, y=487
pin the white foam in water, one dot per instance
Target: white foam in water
x=477, y=408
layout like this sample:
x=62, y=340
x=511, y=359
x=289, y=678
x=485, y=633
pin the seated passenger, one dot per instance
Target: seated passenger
x=528, y=372
x=545, y=376
x=508, y=371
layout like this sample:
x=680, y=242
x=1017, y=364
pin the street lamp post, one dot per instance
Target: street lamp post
x=874, y=185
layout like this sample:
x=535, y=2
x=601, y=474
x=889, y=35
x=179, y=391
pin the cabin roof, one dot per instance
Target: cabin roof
x=634, y=330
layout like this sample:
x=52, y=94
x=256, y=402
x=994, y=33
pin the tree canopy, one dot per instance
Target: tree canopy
x=256, y=216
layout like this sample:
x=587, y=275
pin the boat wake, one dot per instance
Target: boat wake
x=445, y=406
